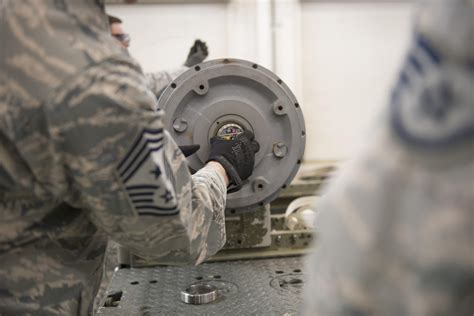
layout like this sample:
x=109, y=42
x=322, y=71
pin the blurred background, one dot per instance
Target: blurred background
x=340, y=57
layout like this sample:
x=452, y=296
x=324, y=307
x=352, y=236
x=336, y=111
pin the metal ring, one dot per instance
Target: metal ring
x=199, y=294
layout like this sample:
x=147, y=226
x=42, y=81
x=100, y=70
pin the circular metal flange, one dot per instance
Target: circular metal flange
x=226, y=96
x=200, y=293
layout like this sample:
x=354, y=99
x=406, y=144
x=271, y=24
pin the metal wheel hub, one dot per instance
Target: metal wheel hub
x=226, y=97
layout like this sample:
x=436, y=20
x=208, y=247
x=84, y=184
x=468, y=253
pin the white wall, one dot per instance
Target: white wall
x=163, y=33
x=339, y=57
x=351, y=54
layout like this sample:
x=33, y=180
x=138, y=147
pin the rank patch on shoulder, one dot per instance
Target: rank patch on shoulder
x=432, y=106
x=142, y=171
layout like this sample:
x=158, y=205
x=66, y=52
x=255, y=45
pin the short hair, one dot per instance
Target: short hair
x=113, y=19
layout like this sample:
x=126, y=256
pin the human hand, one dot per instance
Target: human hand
x=197, y=54
x=237, y=156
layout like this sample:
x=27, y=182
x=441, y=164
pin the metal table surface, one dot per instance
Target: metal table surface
x=245, y=287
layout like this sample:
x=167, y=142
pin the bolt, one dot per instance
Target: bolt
x=202, y=88
x=280, y=150
x=180, y=125
x=259, y=184
x=279, y=109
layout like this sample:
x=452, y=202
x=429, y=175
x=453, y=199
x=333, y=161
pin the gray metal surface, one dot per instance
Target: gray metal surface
x=249, y=230
x=241, y=96
x=250, y=287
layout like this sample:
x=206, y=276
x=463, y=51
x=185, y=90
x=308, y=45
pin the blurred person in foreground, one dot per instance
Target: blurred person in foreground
x=158, y=81
x=84, y=155
x=396, y=228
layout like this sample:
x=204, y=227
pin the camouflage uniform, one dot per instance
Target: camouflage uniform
x=83, y=156
x=396, y=228
x=158, y=81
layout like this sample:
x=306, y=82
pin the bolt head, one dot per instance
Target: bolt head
x=279, y=109
x=259, y=184
x=280, y=150
x=180, y=125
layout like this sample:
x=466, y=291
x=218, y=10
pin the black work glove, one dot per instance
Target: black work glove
x=197, y=54
x=188, y=150
x=237, y=156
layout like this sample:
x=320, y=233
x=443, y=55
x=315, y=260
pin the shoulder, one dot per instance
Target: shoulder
x=431, y=106
x=117, y=80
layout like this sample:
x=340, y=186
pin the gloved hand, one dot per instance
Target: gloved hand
x=237, y=156
x=188, y=150
x=197, y=54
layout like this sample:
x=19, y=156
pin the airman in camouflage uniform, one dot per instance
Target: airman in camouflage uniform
x=83, y=156
x=158, y=81
x=396, y=229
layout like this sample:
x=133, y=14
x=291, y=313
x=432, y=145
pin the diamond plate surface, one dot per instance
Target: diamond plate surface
x=248, y=287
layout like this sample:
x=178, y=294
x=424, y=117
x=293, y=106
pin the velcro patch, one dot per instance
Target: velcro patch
x=431, y=105
x=141, y=172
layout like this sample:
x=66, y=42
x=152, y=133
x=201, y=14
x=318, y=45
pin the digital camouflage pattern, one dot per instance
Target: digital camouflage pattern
x=158, y=81
x=396, y=228
x=83, y=156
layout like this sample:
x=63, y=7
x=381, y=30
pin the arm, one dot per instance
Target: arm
x=158, y=81
x=127, y=172
x=396, y=226
x=394, y=234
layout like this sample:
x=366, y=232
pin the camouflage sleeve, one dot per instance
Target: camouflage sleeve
x=126, y=171
x=158, y=81
x=394, y=238
x=395, y=232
